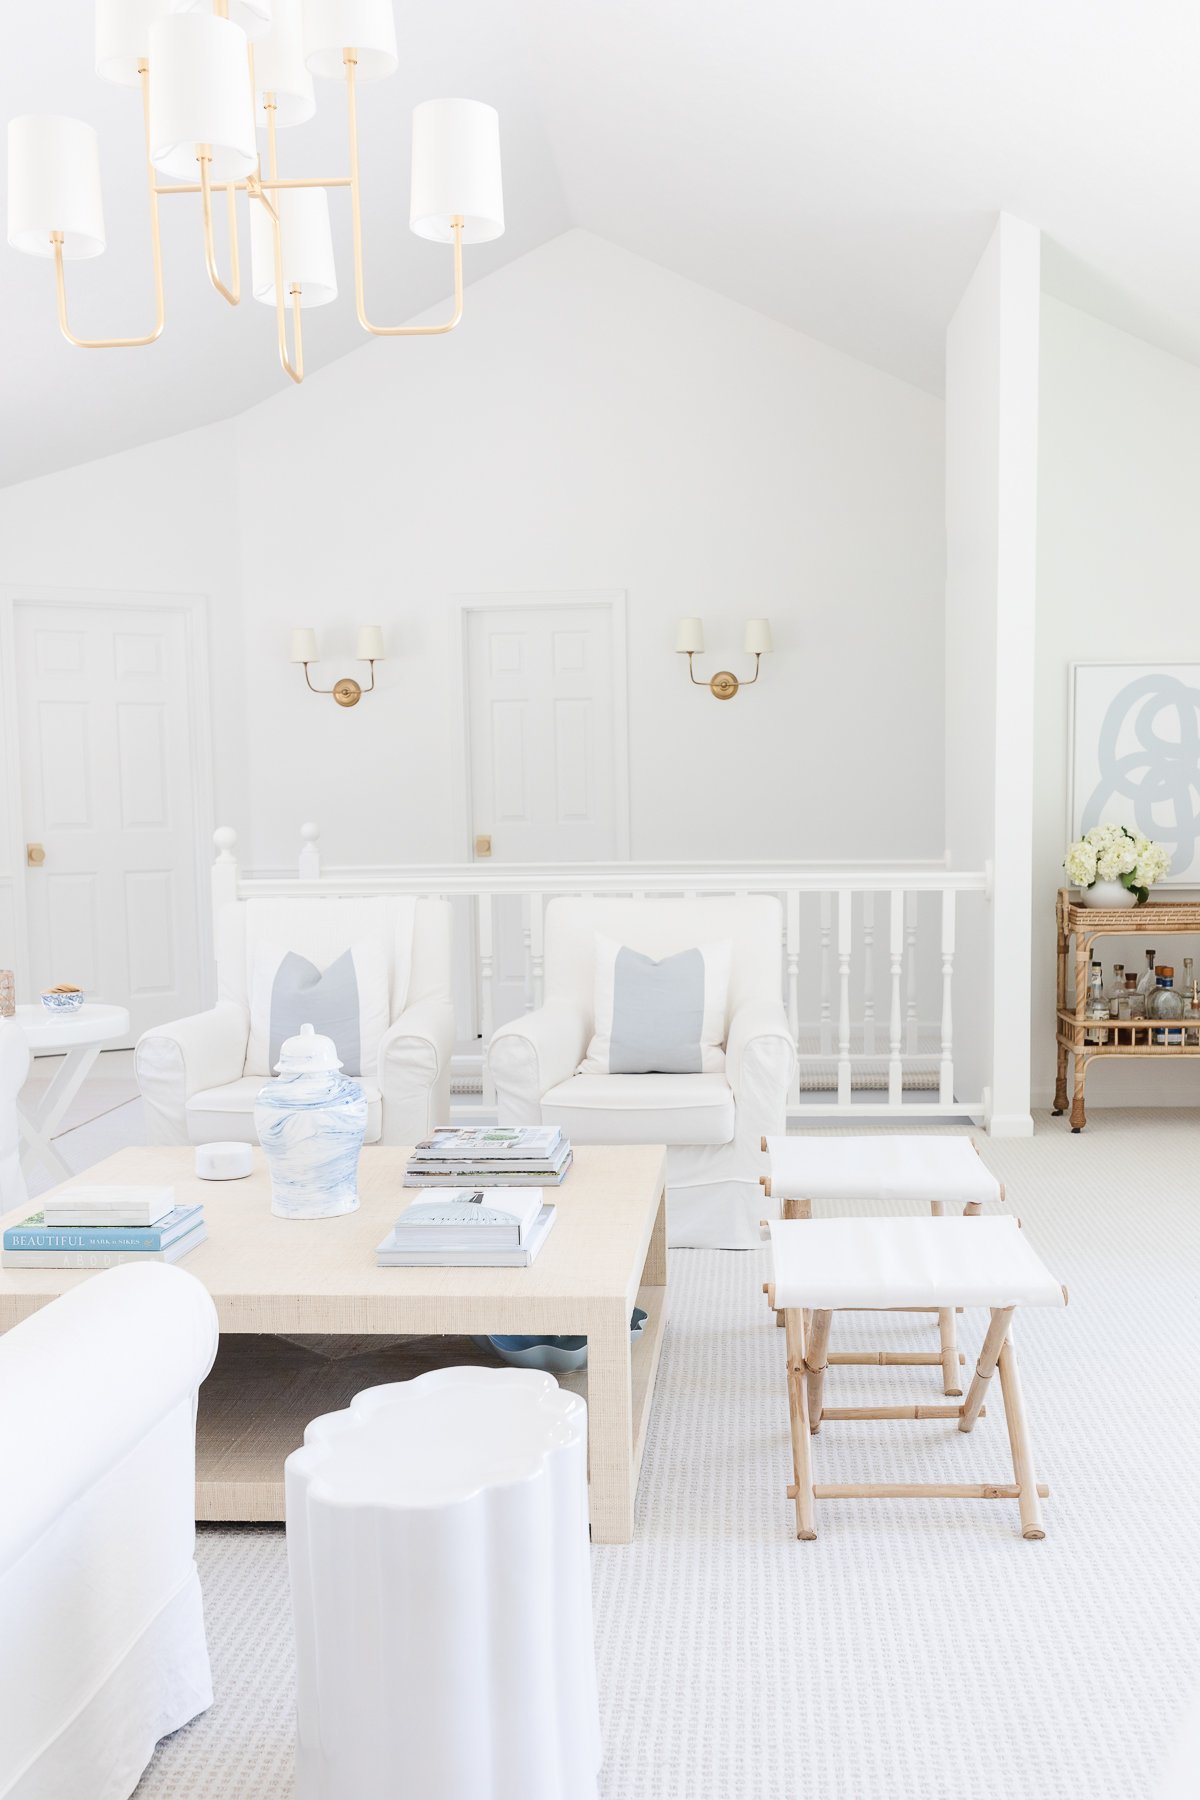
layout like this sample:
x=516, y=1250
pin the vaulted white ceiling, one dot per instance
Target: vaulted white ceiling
x=835, y=166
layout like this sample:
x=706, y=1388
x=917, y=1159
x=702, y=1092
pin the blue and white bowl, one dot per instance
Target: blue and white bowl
x=62, y=1003
x=552, y=1355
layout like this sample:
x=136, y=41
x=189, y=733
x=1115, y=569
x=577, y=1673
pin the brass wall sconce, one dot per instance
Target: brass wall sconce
x=347, y=691
x=689, y=642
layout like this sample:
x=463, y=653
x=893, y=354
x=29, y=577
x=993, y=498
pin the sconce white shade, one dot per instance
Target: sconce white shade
x=200, y=94
x=330, y=26
x=54, y=185
x=456, y=170
x=689, y=636
x=307, y=245
x=254, y=16
x=280, y=69
x=123, y=36
x=370, y=643
x=304, y=644
x=758, y=637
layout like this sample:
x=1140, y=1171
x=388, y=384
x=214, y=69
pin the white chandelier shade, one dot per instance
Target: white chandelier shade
x=199, y=95
x=456, y=171
x=368, y=25
x=307, y=245
x=123, y=36
x=280, y=69
x=54, y=186
x=254, y=16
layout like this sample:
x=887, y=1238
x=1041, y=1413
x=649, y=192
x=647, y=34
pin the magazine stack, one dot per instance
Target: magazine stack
x=469, y=1228
x=490, y=1156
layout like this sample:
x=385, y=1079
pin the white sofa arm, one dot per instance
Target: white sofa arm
x=532, y=1054
x=175, y=1061
x=88, y=1377
x=414, y=1071
x=760, y=1060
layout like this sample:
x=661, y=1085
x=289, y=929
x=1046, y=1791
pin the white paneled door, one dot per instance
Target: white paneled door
x=106, y=746
x=546, y=724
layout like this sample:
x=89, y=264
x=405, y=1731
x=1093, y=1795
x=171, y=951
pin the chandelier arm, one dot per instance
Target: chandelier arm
x=232, y=293
x=295, y=371
x=350, y=60
x=60, y=276
x=753, y=678
x=692, y=672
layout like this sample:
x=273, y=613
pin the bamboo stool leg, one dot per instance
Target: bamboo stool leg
x=797, y=1376
x=985, y=1368
x=816, y=1364
x=1018, y=1437
x=951, y=1384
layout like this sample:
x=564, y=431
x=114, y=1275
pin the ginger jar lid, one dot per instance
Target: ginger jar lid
x=308, y=1053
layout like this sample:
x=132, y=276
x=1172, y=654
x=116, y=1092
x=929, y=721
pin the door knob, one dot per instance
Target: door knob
x=35, y=855
x=483, y=845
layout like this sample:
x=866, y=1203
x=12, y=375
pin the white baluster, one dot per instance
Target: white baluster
x=537, y=941
x=791, y=945
x=868, y=933
x=896, y=1022
x=525, y=903
x=911, y=1027
x=826, y=974
x=487, y=989
x=946, y=1077
x=843, y=952
x=224, y=873
x=310, y=856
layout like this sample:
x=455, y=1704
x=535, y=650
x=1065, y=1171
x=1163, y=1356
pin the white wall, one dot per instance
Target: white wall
x=1118, y=578
x=595, y=424
x=991, y=510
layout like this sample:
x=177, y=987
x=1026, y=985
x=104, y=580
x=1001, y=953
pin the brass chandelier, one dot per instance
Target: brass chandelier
x=211, y=74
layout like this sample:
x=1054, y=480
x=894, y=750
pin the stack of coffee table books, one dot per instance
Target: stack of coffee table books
x=491, y=1156
x=469, y=1228
x=98, y=1227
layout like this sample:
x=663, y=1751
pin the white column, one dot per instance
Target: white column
x=991, y=558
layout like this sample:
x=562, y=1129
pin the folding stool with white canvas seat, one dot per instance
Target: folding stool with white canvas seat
x=823, y=1265
x=938, y=1171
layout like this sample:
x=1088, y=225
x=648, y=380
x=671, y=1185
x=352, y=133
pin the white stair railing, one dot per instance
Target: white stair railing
x=836, y=957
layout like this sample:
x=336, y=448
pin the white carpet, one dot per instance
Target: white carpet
x=917, y=1650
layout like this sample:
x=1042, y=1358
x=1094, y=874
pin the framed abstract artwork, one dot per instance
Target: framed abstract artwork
x=1135, y=755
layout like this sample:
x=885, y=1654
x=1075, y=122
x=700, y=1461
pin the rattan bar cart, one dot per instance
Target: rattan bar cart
x=1111, y=1037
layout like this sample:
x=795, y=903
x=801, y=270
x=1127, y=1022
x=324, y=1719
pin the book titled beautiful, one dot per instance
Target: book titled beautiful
x=103, y=1259
x=37, y=1233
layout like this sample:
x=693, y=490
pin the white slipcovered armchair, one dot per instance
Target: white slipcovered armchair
x=14, y=1067
x=712, y=1124
x=102, y=1647
x=196, y=1076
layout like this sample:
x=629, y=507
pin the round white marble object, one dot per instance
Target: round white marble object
x=224, y=1162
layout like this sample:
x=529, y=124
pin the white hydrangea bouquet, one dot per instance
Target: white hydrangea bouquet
x=1115, y=866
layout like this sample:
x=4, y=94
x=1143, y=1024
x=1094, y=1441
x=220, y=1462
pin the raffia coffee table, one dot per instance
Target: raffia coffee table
x=307, y=1319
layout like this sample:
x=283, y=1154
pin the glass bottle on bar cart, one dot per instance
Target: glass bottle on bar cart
x=1167, y=1005
x=1147, y=984
x=1097, y=1003
x=1190, y=995
x=1131, y=1005
x=1115, y=989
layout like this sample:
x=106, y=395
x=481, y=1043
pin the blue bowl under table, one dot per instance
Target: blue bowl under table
x=552, y=1355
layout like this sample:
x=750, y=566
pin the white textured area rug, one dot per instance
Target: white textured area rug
x=918, y=1650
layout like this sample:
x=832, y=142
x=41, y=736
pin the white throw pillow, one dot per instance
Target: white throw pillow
x=658, y=1017
x=347, y=1002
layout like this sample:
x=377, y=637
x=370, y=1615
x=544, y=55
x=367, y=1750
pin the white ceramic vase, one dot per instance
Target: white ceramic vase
x=1112, y=894
x=311, y=1122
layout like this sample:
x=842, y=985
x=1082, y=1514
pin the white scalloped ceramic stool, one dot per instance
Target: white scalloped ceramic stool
x=441, y=1586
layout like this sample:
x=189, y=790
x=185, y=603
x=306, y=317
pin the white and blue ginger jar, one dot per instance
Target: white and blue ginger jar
x=311, y=1122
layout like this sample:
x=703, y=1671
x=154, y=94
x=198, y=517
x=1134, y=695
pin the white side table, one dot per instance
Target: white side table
x=441, y=1586
x=82, y=1035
